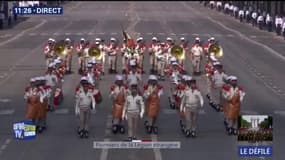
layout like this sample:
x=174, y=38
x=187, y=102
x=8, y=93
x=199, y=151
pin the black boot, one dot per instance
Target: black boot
x=193, y=134
x=81, y=133
x=122, y=129
x=148, y=129
x=155, y=129
x=188, y=133
x=115, y=129
x=86, y=134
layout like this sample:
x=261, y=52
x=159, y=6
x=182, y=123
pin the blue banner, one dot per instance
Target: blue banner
x=255, y=151
x=24, y=130
x=38, y=10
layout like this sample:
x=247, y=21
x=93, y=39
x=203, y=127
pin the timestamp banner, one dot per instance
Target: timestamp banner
x=38, y=10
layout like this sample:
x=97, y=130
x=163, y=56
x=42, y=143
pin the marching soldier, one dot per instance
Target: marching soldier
x=184, y=44
x=140, y=49
x=268, y=22
x=152, y=49
x=278, y=24
x=133, y=110
x=80, y=49
x=209, y=69
x=234, y=95
x=118, y=95
x=45, y=92
x=152, y=94
x=211, y=41
x=283, y=30
x=52, y=81
x=218, y=80
x=196, y=56
x=112, y=50
x=49, y=51
x=125, y=55
x=68, y=57
x=90, y=74
x=219, y=5
x=191, y=101
x=34, y=98
x=253, y=20
x=84, y=103
x=134, y=76
x=161, y=61
x=241, y=15
x=260, y=21
x=175, y=74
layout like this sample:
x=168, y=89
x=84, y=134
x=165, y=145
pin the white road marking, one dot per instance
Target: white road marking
x=173, y=34
x=7, y=112
x=280, y=112
x=102, y=33
x=32, y=34
x=61, y=111
x=149, y=33
x=157, y=153
x=67, y=33
x=230, y=35
x=91, y=33
x=161, y=33
x=217, y=35
x=104, y=153
x=195, y=34
x=249, y=112
x=23, y=32
x=184, y=34
x=79, y=34
x=56, y=34
x=5, y=100
x=252, y=36
x=114, y=33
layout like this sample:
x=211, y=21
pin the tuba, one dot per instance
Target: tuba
x=177, y=52
x=95, y=52
x=216, y=49
x=59, y=49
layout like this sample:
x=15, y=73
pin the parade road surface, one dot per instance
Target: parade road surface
x=255, y=57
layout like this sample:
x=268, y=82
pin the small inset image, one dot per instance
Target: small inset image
x=255, y=128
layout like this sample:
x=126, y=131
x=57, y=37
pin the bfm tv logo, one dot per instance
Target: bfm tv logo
x=24, y=130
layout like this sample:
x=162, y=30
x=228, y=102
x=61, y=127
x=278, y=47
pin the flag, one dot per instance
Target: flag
x=130, y=41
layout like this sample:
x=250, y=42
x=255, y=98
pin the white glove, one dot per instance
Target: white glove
x=141, y=114
x=77, y=111
x=124, y=116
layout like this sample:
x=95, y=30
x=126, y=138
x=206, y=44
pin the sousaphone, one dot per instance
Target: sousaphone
x=94, y=51
x=216, y=49
x=178, y=52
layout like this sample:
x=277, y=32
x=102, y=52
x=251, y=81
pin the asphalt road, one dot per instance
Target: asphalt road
x=255, y=57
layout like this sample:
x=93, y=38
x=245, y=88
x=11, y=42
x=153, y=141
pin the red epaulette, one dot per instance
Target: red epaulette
x=91, y=87
x=47, y=87
x=226, y=87
x=240, y=88
x=77, y=88
x=126, y=86
x=145, y=87
x=27, y=89
x=160, y=87
x=113, y=87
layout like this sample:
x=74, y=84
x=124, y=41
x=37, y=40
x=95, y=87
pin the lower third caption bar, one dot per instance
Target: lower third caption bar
x=136, y=145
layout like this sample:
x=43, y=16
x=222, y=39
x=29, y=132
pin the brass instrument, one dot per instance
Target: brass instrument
x=59, y=49
x=95, y=52
x=216, y=49
x=178, y=52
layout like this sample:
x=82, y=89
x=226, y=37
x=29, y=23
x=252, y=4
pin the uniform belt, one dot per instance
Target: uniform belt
x=133, y=110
